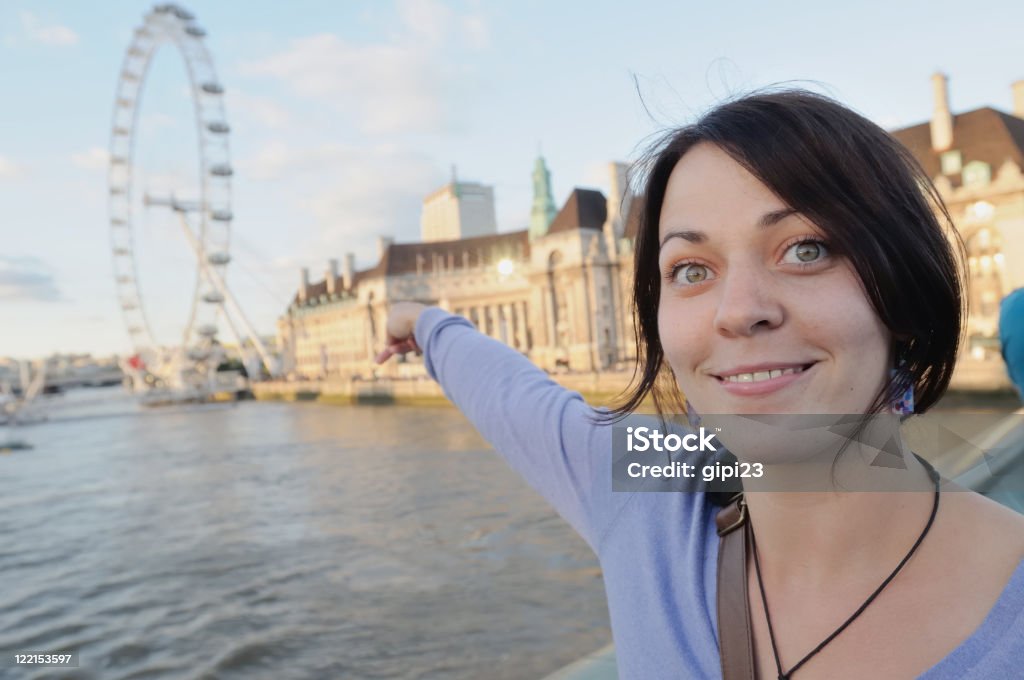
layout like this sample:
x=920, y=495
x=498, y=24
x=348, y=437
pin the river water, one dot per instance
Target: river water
x=275, y=540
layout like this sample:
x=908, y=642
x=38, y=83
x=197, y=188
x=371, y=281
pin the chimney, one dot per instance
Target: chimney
x=304, y=287
x=383, y=242
x=1018, y=98
x=348, y=265
x=618, y=197
x=942, y=119
x=332, y=276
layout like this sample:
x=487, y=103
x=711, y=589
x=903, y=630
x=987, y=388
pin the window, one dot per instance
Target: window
x=987, y=271
x=977, y=174
x=951, y=162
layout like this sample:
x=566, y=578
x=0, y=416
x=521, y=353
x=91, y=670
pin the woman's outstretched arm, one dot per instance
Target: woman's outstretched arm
x=540, y=428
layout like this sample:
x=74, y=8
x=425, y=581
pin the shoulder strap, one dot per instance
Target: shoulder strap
x=734, y=633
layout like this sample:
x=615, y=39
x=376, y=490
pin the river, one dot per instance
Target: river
x=276, y=540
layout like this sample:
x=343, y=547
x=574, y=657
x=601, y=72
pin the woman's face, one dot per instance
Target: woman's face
x=756, y=314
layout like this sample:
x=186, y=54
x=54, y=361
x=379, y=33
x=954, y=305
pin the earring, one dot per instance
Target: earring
x=903, y=404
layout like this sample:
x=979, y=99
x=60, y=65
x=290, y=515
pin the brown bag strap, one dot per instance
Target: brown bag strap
x=734, y=632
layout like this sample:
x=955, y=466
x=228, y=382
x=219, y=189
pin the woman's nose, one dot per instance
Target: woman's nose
x=748, y=303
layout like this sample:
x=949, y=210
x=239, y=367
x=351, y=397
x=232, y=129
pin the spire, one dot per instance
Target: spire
x=543, y=211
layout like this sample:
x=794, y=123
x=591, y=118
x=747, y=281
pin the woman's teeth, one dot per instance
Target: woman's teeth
x=761, y=375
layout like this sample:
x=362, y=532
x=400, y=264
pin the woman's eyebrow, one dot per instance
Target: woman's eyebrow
x=769, y=219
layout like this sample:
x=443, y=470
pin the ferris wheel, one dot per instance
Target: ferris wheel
x=205, y=217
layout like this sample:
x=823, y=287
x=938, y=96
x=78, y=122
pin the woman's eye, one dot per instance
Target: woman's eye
x=805, y=252
x=691, y=273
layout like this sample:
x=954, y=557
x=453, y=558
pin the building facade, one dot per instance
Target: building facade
x=554, y=291
x=976, y=159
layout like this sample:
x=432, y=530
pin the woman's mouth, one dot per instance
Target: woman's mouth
x=762, y=380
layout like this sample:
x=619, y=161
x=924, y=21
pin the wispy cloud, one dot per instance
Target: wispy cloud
x=46, y=34
x=403, y=84
x=262, y=110
x=27, y=279
x=352, y=194
x=94, y=158
x=9, y=169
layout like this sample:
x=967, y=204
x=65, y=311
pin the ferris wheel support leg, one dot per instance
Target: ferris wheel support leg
x=218, y=283
x=252, y=368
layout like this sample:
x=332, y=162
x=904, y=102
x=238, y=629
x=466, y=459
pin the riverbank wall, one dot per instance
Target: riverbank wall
x=973, y=382
x=596, y=388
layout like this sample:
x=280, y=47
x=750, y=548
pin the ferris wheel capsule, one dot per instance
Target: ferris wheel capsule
x=197, y=354
x=217, y=259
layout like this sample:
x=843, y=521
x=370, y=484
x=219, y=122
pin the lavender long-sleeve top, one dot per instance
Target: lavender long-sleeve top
x=658, y=551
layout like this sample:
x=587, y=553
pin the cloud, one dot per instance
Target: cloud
x=9, y=169
x=352, y=194
x=93, y=158
x=382, y=194
x=26, y=279
x=262, y=110
x=475, y=29
x=277, y=160
x=56, y=35
x=427, y=19
x=403, y=84
x=389, y=88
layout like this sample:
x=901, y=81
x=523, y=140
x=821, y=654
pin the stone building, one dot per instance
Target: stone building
x=976, y=159
x=556, y=291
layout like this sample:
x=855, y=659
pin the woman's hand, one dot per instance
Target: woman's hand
x=402, y=318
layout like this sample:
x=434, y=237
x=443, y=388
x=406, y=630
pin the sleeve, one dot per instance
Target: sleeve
x=540, y=428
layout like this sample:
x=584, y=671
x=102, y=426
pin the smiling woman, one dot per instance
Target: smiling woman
x=838, y=200
x=791, y=259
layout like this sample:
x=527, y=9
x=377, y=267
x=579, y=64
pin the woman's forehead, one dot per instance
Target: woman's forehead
x=708, y=191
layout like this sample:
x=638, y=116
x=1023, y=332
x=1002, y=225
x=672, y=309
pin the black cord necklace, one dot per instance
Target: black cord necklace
x=933, y=473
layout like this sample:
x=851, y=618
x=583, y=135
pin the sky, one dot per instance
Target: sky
x=344, y=115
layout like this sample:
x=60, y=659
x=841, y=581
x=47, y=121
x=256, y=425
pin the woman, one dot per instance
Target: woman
x=788, y=261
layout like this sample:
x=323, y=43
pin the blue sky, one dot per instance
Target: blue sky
x=345, y=114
